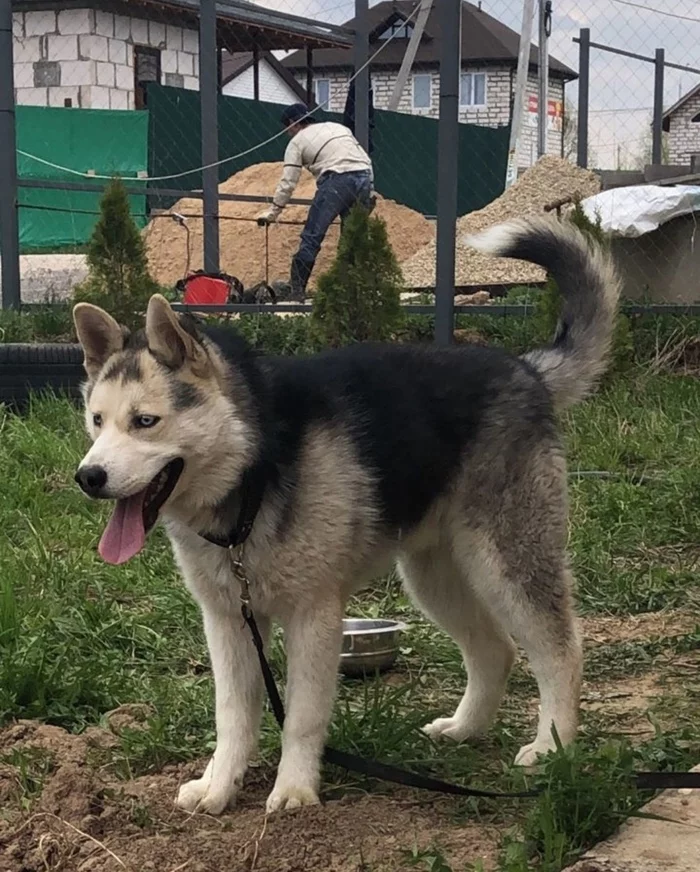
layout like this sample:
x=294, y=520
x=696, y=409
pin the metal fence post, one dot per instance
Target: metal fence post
x=9, y=223
x=208, y=94
x=657, y=124
x=584, y=68
x=448, y=152
x=256, y=72
x=360, y=55
x=310, y=99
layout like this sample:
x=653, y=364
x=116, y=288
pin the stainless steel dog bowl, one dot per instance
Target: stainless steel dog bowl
x=369, y=645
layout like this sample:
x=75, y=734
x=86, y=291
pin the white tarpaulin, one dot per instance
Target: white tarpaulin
x=639, y=209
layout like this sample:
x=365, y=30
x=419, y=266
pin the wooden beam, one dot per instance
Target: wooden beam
x=411, y=49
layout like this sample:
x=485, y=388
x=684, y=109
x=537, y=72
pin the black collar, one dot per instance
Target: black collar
x=251, y=491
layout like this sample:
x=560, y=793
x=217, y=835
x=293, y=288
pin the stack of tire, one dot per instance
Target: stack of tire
x=27, y=369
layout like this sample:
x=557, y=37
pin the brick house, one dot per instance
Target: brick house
x=100, y=54
x=489, y=62
x=682, y=123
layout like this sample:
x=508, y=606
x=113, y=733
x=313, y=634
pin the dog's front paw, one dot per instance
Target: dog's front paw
x=287, y=796
x=451, y=728
x=202, y=796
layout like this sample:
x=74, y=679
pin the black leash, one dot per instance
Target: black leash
x=251, y=495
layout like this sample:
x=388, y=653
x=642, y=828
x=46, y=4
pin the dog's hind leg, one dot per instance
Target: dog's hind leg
x=313, y=639
x=527, y=588
x=444, y=593
x=238, y=688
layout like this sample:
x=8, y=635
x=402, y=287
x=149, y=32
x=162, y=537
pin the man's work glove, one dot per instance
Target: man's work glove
x=268, y=216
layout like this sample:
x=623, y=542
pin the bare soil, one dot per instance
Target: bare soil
x=84, y=820
x=611, y=629
x=77, y=816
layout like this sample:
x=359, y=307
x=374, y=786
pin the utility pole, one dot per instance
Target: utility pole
x=545, y=30
x=516, y=115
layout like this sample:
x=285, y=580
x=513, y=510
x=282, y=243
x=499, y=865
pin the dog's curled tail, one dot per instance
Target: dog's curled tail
x=589, y=289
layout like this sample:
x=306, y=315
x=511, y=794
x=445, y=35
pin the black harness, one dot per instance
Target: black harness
x=251, y=496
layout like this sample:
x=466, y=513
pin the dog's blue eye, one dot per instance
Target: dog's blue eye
x=97, y=420
x=146, y=421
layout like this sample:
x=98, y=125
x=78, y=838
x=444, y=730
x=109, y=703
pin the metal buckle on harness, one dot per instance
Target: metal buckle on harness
x=238, y=570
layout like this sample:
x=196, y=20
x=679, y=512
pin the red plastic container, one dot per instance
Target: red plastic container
x=205, y=290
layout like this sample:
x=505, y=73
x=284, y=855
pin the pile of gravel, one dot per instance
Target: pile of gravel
x=549, y=180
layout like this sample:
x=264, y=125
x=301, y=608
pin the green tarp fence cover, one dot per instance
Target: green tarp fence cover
x=405, y=148
x=99, y=140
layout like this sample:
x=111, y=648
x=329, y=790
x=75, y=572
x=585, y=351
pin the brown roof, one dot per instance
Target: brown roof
x=484, y=40
x=236, y=62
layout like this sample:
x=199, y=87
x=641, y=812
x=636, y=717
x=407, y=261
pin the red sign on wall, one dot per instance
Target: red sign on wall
x=555, y=113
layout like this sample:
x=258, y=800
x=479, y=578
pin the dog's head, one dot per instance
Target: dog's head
x=170, y=431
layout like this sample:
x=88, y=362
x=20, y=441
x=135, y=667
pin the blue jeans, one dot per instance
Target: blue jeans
x=336, y=194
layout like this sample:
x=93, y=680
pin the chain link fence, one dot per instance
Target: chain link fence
x=130, y=89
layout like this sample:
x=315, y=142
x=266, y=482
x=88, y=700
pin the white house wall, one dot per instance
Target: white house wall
x=496, y=112
x=684, y=133
x=272, y=89
x=87, y=56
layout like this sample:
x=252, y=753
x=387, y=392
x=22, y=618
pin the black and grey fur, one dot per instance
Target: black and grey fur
x=447, y=462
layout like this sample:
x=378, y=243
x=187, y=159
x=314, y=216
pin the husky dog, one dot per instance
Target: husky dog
x=446, y=462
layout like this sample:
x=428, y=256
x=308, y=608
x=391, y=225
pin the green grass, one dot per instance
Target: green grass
x=79, y=638
x=634, y=538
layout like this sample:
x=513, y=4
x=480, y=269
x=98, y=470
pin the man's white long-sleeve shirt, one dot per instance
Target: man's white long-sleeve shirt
x=324, y=147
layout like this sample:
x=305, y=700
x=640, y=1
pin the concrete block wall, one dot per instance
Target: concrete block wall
x=87, y=56
x=496, y=112
x=684, y=133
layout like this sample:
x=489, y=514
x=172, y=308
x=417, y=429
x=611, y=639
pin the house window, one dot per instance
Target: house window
x=472, y=91
x=398, y=30
x=322, y=92
x=146, y=69
x=422, y=91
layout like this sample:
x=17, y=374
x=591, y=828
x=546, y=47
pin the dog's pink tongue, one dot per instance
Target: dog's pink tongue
x=124, y=535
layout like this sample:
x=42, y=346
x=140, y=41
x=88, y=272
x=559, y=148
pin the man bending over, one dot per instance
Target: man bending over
x=344, y=177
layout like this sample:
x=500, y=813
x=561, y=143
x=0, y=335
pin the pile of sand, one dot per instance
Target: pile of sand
x=243, y=242
x=548, y=181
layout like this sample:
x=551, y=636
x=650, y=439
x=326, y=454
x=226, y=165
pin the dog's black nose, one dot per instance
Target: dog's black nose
x=91, y=479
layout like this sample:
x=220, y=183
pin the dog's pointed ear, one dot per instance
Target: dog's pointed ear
x=99, y=334
x=169, y=341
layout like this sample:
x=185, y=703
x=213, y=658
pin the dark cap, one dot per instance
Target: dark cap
x=294, y=114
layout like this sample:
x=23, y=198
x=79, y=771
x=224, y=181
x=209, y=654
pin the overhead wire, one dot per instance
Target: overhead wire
x=665, y=12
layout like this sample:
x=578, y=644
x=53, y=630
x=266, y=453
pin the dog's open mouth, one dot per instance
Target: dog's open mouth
x=134, y=516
